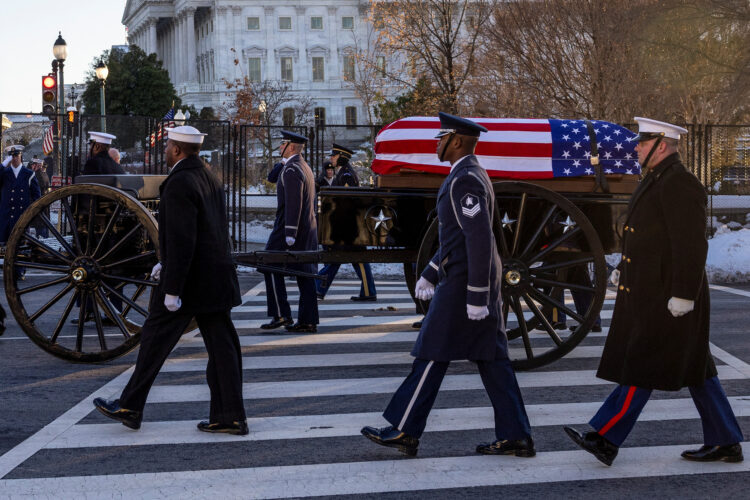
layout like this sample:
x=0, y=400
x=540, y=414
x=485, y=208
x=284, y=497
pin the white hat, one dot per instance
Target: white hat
x=186, y=133
x=648, y=129
x=14, y=148
x=101, y=137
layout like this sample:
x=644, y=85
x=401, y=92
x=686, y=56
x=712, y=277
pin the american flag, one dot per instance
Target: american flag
x=513, y=148
x=47, y=144
x=164, y=123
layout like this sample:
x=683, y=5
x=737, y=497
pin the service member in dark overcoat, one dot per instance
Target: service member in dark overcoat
x=18, y=189
x=295, y=228
x=327, y=177
x=659, y=334
x=99, y=162
x=464, y=320
x=347, y=177
x=197, y=279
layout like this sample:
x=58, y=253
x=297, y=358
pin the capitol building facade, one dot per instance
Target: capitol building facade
x=307, y=44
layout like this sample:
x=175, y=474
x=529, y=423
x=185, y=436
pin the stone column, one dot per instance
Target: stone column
x=192, y=64
x=272, y=69
x=228, y=57
x=300, y=33
x=152, y=49
x=333, y=38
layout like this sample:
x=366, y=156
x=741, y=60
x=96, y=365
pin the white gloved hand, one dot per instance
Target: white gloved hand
x=172, y=302
x=680, y=307
x=424, y=289
x=156, y=271
x=614, y=278
x=289, y=241
x=477, y=313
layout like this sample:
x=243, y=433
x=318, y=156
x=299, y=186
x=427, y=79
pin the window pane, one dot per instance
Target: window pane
x=351, y=115
x=253, y=69
x=288, y=116
x=316, y=23
x=253, y=23
x=285, y=23
x=347, y=23
x=320, y=117
x=349, y=68
x=286, y=69
x=318, y=65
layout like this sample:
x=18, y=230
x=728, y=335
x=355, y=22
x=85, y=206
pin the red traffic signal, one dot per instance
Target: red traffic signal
x=49, y=94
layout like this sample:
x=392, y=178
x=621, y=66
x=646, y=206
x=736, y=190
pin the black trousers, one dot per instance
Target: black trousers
x=161, y=332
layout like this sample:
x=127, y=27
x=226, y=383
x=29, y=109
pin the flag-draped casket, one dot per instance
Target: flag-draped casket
x=514, y=148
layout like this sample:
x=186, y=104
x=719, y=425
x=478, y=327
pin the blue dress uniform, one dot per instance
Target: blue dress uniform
x=467, y=270
x=663, y=255
x=17, y=192
x=295, y=218
x=346, y=176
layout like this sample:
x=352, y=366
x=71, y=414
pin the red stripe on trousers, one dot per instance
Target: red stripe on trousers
x=624, y=410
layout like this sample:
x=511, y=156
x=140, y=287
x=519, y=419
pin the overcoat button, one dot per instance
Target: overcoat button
x=632, y=230
x=627, y=290
x=623, y=257
x=628, y=260
x=622, y=287
x=626, y=228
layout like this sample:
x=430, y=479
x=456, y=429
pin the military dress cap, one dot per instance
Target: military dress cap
x=14, y=149
x=327, y=164
x=101, y=137
x=337, y=149
x=450, y=124
x=185, y=133
x=292, y=137
x=651, y=129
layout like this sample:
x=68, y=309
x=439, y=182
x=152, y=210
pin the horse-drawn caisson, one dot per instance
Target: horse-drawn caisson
x=562, y=187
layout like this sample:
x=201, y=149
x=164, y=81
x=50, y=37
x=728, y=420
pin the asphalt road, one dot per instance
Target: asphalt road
x=307, y=397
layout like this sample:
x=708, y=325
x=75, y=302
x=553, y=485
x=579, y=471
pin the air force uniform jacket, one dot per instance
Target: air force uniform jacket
x=466, y=270
x=346, y=176
x=16, y=194
x=295, y=213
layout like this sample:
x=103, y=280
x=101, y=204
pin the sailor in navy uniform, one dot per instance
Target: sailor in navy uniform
x=99, y=162
x=346, y=176
x=18, y=189
x=464, y=320
x=295, y=228
x=659, y=334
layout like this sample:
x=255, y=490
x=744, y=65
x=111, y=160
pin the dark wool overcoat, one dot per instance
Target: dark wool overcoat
x=194, y=240
x=663, y=255
x=102, y=164
x=466, y=270
x=16, y=194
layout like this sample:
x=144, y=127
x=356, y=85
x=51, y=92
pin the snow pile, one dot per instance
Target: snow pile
x=729, y=256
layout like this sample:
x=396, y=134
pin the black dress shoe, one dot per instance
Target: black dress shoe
x=302, y=328
x=392, y=438
x=236, y=428
x=320, y=296
x=595, y=444
x=728, y=453
x=357, y=298
x=113, y=410
x=277, y=323
x=417, y=325
x=87, y=319
x=519, y=448
x=559, y=325
x=2, y=327
x=595, y=328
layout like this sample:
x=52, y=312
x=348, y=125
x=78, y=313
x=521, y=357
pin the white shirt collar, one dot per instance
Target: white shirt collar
x=175, y=165
x=284, y=160
x=16, y=170
x=459, y=161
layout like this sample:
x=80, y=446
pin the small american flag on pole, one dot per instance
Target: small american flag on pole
x=514, y=148
x=47, y=143
x=159, y=132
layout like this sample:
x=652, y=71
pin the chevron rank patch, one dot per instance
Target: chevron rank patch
x=470, y=205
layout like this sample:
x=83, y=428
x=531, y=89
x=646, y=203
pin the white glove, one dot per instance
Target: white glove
x=680, y=307
x=424, y=289
x=614, y=278
x=156, y=271
x=477, y=313
x=289, y=241
x=172, y=302
x=7, y=161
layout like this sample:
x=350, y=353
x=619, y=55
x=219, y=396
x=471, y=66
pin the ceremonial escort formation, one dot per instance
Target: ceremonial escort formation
x=475, y=254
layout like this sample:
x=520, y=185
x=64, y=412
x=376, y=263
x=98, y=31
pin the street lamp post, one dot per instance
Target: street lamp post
x=101, y=73
x=60, y=52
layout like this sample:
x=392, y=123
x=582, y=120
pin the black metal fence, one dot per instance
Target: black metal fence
x=242, y=155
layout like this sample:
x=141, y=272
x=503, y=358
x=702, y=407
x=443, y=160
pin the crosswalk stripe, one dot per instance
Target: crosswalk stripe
x=351, y=306
x=382, y=385
x=346, y=359
x=377, y=476
x=349, y=424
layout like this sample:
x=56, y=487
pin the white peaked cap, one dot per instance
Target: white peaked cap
x=185, y=133
x=649, y=126
x=101, y=137
x=14, y=148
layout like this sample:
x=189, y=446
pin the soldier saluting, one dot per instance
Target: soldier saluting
x=465, y=318
x=658, y=338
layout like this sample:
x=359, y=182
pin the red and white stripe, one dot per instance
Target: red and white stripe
x=47, y=143
x=513, y=148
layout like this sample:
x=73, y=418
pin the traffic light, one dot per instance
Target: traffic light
x=49, y=94
x=71, y=115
